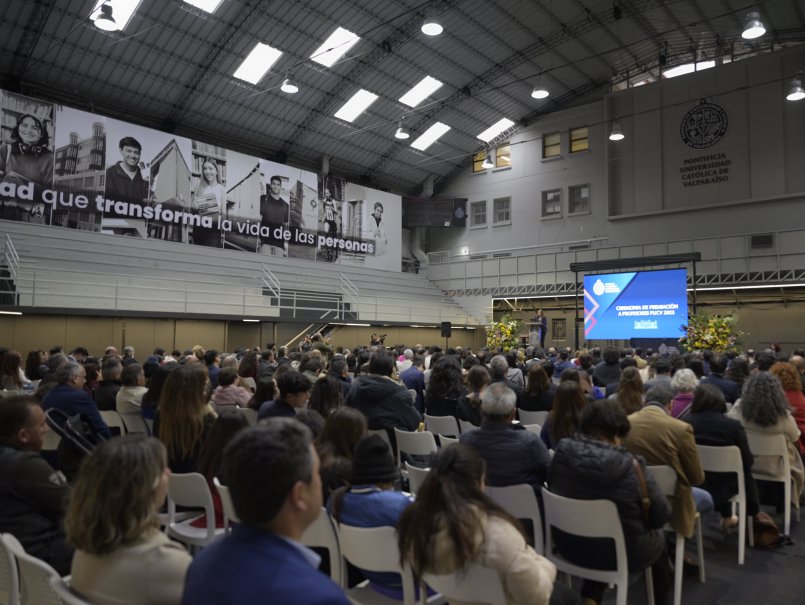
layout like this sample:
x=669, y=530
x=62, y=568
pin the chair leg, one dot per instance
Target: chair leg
x=742, y=533
x=787, y=509
x=700, y=547
x=649, y=585
x=679, y=562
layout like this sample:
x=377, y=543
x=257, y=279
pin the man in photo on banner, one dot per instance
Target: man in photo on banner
x=274, y=212
x=378, y=228
x=124, y=181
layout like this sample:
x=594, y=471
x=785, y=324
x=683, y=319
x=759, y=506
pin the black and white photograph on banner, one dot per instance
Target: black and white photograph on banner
x=304, y=221
x=26, y=158
x=331, y=214
x=380, y=218
x=208, y=194
x=80, y=158
x=275, y=208
x=244, y=187
x=148, y=184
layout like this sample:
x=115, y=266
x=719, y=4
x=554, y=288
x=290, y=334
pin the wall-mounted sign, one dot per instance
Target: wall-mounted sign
x=704, y=125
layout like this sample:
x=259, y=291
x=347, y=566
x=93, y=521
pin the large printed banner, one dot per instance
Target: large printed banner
x=68, y=168
x=642, y=304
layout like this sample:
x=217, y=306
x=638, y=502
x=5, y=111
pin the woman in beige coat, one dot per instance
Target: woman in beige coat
x=121, y=556
x=453, y=523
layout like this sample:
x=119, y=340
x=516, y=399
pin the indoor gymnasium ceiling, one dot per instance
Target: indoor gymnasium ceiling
x=172, y=67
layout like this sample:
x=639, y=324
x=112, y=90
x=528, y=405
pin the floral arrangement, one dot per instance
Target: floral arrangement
x=504, y=334
x=717, y=333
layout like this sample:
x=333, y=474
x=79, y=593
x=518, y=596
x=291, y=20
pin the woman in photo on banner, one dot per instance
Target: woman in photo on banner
x=26, y=162
x=209, y=199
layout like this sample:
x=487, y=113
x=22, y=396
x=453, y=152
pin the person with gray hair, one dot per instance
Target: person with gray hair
x=499, y=370
x=513, y=455
x=69, y=397
x=408, y=356
x=106, y=393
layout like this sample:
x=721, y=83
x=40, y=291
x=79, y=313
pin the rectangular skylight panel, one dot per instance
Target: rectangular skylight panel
x=359, y=103
x=259, y=61
x=122, y=10
x=430, y=136
x=334, y=47
x=208, y=6
x=495, y=129
x=426, y=87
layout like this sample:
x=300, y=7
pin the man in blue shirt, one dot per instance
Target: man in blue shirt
x=272, y=472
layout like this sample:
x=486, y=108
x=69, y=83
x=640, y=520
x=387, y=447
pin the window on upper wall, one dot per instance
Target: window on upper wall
x=478, y=214
x=552, y=203
x=579, y=139
x=578, y=199
x=503, y=158
x=551, y=145
x=501, y=208
x=559, y=329
x=477, y=161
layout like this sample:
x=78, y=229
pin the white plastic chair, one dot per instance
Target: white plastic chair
x=419, y=443
x=442, y=425
x=727, y=459
x=475, y=584
x=113, y=420
x=520, y=502
x=445, y=441
x=35, y=575
x=416, y=476
x=375, y=549
x=249, y=414
x=323, y=534
x=666, y=479
x=590, y=519
x=191, y=489
x=230, y=516
x=762, y=444
x=51, y=440
x=9, y=576
x=527, y=417
x=67, y=596
x=134, y=423
x=533, y=428
x=466, y=426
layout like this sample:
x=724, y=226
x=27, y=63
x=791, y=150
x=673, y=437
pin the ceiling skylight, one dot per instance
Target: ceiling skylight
x=495, y=129
x=359, y=102
x=259, y=61
x=122, y=10
x=681, y=70
x=208, y=6
x=430, y=136
x=426, y=87
x=334, y=47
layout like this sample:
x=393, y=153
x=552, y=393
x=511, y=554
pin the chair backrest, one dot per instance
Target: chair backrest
x=250, y=414
x=445, y=441
x=416, y=476
x=419, y=443
x=190, y=489
x=666, y=478
x=230, y=516
x=375, y=549
x=527, y=417
x=113, y=420
x=51, y=440
x=590, y=519
x=475, y=584
x=520, y=501
x=762, y=444
x=323, y=534
x=466, y=426
x=533, y=428
x=67, y=596
x=9, y=576
x=35, y=575
x=442, y=425
x=722, y=459
x=135, y=423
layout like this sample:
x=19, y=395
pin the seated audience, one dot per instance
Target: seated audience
x=121, y=556
x=718, y=365
x=792, y=386
x=229, y=391
x=263, y=557
x=129, y=399
x=68, y=396
x=445, y=387
x=593, y=465
x=184, y=419
x=150, y=400
x=106, y=393
x=469, y=405
x=630, y=394
x=539, y=391
x=33, y=494
x=563, y=420
x=683, y=383
x=12, y=376
x=335, y=445
x=294, y=390
x=453, y=524
x=608, y=369
x=326, y=395
x=414, y=379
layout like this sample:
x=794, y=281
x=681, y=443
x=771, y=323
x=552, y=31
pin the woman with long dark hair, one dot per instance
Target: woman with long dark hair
x=631, y=393
x=150, y=401
x=445, y=387
x=453, y=523
x=538, y=395
x=326, y=395
x=335, y=445
x=266, y=391
x=563, y=421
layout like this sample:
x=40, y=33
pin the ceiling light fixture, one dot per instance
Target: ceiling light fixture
x=402, y=131
x=488, y=163
x=289, y=84
x=540, y=92
x=754, y=27
x=105, y=20
x=617, y=133
x=796, y=93
x=431, y=25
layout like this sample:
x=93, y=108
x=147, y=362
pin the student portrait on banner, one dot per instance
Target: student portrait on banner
x=275, y=208
x=208, y=197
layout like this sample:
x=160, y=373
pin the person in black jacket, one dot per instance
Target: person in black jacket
x=33, y=495
x=593, y=465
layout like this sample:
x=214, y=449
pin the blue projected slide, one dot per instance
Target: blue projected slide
x=642, y=304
